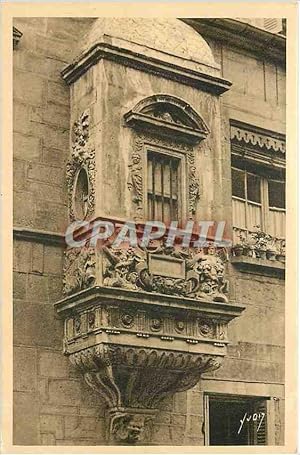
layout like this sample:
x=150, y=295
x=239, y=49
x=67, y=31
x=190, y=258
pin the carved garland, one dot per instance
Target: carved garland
x=82, y=157
x=136, y=172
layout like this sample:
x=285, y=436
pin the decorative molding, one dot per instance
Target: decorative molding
x=136, y=176
x=241, y=35
x=17, y=35
x=154, y=323
x=204, y=272
x=168, y=115
x=263, y=139
x=193, y=183
x=137, y=60
x=82, y=158
x=35, y=235
x=83, y=300
x=259, y=266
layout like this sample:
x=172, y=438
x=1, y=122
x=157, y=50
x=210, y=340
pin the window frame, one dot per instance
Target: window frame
x=269, y=406
x=182, y=171
x=265, y=207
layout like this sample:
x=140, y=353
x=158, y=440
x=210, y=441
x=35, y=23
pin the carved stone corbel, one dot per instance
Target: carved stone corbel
x=134, y=380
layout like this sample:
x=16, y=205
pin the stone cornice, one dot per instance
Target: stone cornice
x=90, y=295
x=35, y=235
x=138, y=60
x=258, y=137
x=259, y=266
x=242, y=35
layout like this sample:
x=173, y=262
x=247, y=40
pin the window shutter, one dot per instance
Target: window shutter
x=260, y=426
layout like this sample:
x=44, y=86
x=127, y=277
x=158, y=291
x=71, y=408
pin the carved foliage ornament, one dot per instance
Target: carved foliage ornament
x=136, y=171
x=204, y=272
x=82, y=161
x=79, y=269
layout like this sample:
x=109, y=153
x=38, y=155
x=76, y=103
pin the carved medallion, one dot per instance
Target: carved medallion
x=127, y=320
x=156, y=324
x=206, y=329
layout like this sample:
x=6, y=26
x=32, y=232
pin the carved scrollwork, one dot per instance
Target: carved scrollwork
x=79, y=269
x=82, y=159
x=156, y=374
x=204, y=272
x=194, y=186
x=135, y=181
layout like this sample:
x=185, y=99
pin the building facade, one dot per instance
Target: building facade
x=141, y=119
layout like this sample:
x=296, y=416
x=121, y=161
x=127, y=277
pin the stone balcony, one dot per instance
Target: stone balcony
x=143, y=324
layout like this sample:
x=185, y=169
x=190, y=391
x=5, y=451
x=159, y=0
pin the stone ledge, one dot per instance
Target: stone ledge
x=245, y=264
x=39, y=236
x=90, y=295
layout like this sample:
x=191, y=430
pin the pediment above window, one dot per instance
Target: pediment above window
x=170, y=116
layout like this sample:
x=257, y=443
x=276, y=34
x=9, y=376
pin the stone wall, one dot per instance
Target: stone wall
x=52, y=403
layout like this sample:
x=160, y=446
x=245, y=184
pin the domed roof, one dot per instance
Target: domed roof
x=168, y=35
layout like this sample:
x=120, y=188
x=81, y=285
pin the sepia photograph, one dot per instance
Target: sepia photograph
x=149, y=229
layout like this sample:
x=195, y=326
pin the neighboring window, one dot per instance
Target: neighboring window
x=235, y=420
x=257, y=200
x=164, y=186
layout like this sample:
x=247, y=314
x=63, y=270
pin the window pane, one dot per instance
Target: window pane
x=239, y=213
x=253, y=188
x=254, y=216
x=238, y=183
x=276, y=194
x=277, y=223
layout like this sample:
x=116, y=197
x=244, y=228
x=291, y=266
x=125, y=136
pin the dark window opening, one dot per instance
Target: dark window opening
x=241, y=421
x=163, y=187
x=276, y=194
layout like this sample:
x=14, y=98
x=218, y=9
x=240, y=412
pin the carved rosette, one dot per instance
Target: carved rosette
x=202, y=276
x=149, y=376
x=82, y=158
